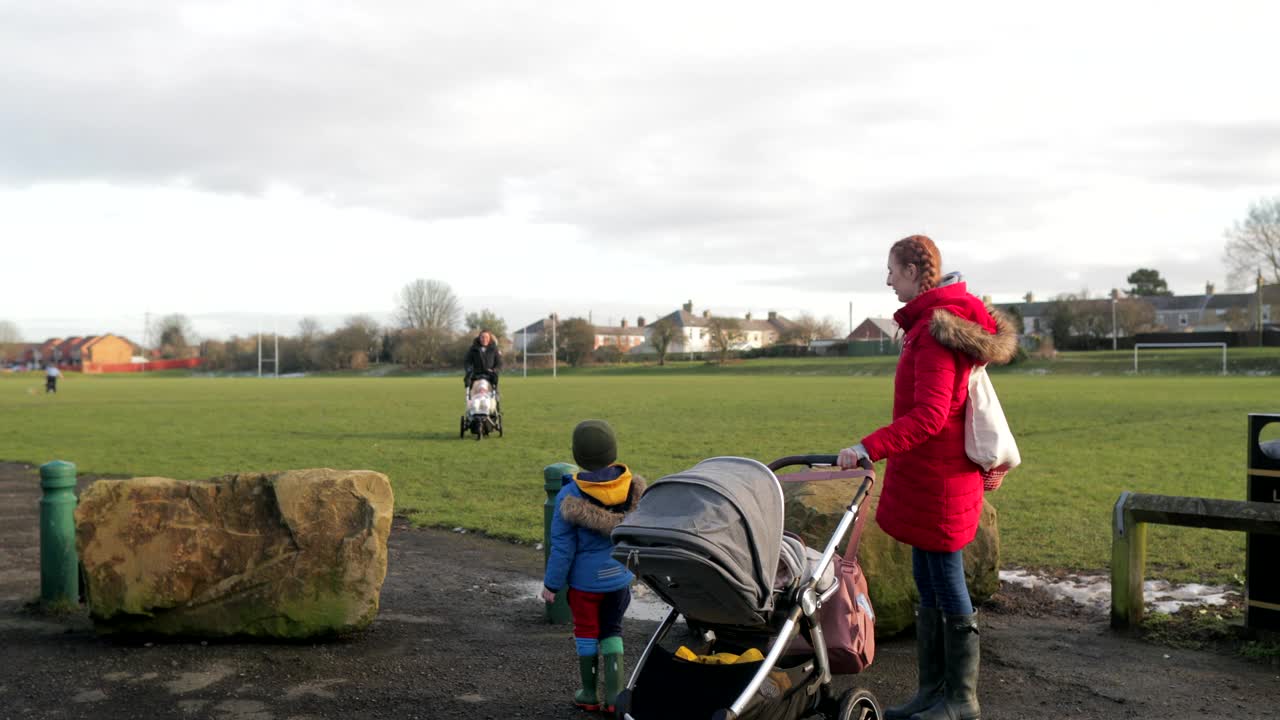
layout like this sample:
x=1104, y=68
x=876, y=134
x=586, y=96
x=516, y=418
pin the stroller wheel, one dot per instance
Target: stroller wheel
x=858, y=704
x=499, y=424
x=462, y=428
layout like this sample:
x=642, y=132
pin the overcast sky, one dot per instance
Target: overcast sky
x=249, y=163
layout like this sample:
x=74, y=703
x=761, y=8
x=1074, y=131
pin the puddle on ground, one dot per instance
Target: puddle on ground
x=644, y=605
x=315, y=687
x=190, y=682
x=242, y=710
x=89, y=696
x=409, y=619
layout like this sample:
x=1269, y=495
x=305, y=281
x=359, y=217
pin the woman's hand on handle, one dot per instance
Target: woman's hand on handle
x=849, y=457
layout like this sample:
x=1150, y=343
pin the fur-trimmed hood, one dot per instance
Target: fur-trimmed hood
x=580, y=511
x=973, y=339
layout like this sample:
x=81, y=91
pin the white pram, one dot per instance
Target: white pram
x=484, y=410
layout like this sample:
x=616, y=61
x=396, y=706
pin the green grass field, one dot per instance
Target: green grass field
x=1083, y=439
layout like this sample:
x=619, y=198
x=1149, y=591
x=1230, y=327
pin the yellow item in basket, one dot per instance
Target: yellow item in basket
x=724, y=658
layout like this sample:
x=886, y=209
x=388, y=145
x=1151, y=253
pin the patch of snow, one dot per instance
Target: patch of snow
x=1095, y=591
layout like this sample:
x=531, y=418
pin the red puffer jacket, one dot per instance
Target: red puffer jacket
x=932, y=494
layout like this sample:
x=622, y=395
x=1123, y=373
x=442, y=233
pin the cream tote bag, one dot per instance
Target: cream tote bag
x=987, y=438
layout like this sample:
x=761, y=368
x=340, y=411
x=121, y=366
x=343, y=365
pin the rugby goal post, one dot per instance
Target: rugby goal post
x=1222, y=345
x=525, y=354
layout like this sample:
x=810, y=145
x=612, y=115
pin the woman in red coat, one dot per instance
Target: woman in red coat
x=932, y=493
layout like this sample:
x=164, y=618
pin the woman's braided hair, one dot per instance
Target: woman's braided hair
x=920, y=251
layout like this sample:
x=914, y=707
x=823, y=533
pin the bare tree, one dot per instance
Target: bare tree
x=661, y=335
x=9, y=340
x=1060, y=316
x=9, y=333
x=354, y=343
x=310, y=343
x=175, y=335
x=412, y=348
x=806, y=328
x=725, y=333
x=1134, y=316
x=1253, y=245
x=431, y=307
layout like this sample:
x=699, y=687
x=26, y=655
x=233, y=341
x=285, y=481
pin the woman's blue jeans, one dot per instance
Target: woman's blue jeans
x=940, y=580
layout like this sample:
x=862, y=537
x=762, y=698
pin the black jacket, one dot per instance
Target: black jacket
x=482, y=360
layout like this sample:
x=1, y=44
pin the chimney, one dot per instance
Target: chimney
x=1029, y=297
x=748, y=317
x=688, y=307
x=706, y=314
x=624, y=322
x=1208, y=288
x=986, y=299
x=773, y=314
x=640, y=321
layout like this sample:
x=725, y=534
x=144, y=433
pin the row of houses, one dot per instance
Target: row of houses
x=1208, y=312
x=74, y=352
x=1204, y=313
x=693, y=332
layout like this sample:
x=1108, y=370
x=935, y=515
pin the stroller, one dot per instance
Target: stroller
x=709, y=541
x=484, y=410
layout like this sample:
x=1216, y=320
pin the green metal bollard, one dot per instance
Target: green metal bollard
x=558, y=611
x=59, y=564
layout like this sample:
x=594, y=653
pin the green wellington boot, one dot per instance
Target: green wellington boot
x=929, y=665
x=586, y=697
x=614, y=680
x=961, y=652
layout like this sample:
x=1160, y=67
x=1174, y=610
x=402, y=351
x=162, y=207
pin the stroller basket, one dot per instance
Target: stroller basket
x=693, y=690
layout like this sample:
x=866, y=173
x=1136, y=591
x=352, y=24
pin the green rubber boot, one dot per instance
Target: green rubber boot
x=929, y=666
x=614, y=680
x=961, y=650
x=586, y=698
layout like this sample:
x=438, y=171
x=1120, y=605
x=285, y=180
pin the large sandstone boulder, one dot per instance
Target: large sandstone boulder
x=814, y=509
x=288, y=555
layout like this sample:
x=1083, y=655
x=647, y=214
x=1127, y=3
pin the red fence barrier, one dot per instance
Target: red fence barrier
x=185, y=364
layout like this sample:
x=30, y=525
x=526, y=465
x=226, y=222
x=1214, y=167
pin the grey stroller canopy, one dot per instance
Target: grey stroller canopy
x=708, y=539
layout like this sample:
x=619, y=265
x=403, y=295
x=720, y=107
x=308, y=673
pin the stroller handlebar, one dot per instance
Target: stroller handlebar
x=812, y=460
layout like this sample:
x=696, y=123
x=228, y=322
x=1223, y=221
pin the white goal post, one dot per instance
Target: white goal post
x=1181, y=345
x=525, y=354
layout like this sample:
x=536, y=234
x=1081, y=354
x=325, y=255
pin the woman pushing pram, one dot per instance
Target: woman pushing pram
x=484, y=404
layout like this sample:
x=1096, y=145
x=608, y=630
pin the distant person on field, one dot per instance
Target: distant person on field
x=483, y=359
x=589, y=506
x=932, y=492
x=51, y=375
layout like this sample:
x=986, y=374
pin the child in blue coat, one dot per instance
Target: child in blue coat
x=589, y=506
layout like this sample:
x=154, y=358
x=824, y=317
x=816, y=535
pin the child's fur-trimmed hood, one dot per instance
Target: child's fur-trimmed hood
x=972, y=339
x=584, y=513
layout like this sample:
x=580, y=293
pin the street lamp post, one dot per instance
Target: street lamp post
x=1260, y=328
x=1114, y=294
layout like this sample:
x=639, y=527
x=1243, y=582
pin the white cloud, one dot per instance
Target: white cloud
x=314, y=157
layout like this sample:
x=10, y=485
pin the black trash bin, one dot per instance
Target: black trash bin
x=1262, y=582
